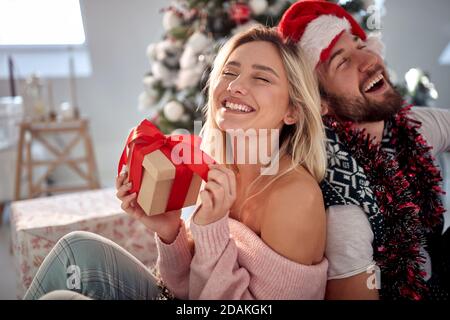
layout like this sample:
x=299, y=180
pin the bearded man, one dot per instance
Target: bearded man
x=382, y=188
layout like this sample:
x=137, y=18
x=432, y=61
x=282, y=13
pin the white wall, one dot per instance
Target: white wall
x=415, y=33
x=118, y=32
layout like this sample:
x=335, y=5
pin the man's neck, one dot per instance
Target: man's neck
x=374, y=129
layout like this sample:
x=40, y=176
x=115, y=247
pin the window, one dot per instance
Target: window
x=41, y=36
x=43, y=22
x=444, y=59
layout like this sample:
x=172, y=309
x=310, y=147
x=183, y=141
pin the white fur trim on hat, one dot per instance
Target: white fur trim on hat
x=319, y=33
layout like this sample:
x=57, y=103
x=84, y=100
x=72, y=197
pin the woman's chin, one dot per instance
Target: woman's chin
x=226, y=124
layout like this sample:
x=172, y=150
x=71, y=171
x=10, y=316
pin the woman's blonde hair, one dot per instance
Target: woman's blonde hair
x=302, y=141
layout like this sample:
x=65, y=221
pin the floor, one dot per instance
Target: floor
x=8, y=276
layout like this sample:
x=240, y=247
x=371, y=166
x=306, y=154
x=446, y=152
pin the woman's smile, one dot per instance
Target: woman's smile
x=235, y=106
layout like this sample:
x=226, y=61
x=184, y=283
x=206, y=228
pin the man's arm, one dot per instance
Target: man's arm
x=435, y=127
x=352, y=288
x=352, y=271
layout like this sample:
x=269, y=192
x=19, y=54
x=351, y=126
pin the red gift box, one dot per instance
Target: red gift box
x=165, y=171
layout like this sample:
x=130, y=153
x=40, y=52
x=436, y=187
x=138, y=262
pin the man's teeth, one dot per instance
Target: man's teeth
x=373, y=82
x=238, y=107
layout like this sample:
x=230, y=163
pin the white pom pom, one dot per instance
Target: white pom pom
x=149, y=82
x=258, y=6
x=188, y=59
x=374, y=43
x=162, y=73
x=171, y=20
x=198, y=42
x=161, y=52
x=179, y=131
x=173, y=111
x=151, y=51
x=167, y=48
x=188, y=78
x=167, y=51
x=146, y=101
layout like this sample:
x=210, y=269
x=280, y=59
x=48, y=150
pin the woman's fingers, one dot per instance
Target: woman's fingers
x=126, y=202
x=135, y=211
x=225, y=177
x=207, y=202
x=120, y=179
x=218, y=193
x=219, y=177
x=232, y=179
x=123, y=190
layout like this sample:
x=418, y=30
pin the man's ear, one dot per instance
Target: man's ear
x=325, y=107
x=291, y=116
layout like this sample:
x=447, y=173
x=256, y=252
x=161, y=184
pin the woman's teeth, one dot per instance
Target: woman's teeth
x=373, y=82
x=238, y=107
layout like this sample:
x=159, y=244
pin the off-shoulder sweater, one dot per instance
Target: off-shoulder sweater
x=232, y=262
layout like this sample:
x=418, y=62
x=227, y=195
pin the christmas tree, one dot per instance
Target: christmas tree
x=174, y=87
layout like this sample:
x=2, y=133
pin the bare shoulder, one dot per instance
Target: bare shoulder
x=294, y=223
x=299, y=192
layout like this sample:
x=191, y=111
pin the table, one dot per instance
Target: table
x=75, y=132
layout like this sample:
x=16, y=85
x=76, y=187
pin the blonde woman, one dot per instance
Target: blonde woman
x=256, y=233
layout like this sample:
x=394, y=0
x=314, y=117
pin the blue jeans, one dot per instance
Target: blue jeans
x=94, y=267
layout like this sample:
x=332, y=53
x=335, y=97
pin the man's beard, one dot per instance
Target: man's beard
x=362, y=109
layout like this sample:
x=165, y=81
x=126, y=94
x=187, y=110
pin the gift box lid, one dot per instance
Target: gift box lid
x=159, y=166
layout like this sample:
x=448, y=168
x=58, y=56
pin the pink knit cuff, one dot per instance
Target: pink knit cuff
x=176, y=253
x=211, y=239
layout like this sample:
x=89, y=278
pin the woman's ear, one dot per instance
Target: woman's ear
x=291, y=116
x=325, y=108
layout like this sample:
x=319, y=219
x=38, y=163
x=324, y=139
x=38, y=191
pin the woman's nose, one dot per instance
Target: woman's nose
x=237, y=87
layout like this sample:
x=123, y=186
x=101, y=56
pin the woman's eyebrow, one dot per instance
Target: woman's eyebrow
x=265, y=68
x=254, y=66
x=233, y=63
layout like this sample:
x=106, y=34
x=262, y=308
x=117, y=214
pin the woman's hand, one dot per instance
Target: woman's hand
x=166, y=225
x=218, y=195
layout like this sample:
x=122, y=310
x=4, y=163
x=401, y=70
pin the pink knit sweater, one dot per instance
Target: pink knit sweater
x=238, y=267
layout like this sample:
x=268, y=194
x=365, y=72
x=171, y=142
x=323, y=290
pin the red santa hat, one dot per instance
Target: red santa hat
x=317, y=25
